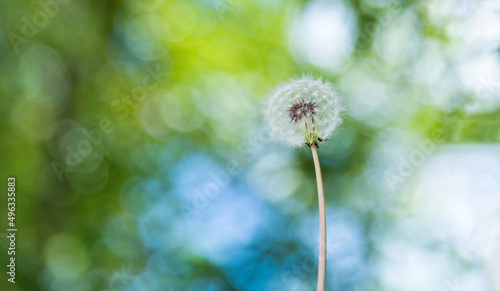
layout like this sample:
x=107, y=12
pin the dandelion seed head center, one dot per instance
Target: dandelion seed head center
x=301, y=109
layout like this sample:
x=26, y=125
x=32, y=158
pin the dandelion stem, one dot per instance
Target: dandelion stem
x=322, y=222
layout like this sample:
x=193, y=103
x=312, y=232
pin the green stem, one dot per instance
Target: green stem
x=322, y=222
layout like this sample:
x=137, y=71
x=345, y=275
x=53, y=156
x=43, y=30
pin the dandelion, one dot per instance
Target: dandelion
x=306, y=110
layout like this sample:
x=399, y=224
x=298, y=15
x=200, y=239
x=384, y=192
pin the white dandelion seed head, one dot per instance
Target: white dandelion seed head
x=304, y=110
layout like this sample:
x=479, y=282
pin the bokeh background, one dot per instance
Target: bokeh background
x=134, y=130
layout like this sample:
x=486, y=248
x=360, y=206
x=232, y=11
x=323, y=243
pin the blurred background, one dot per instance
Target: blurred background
x=134, y=130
